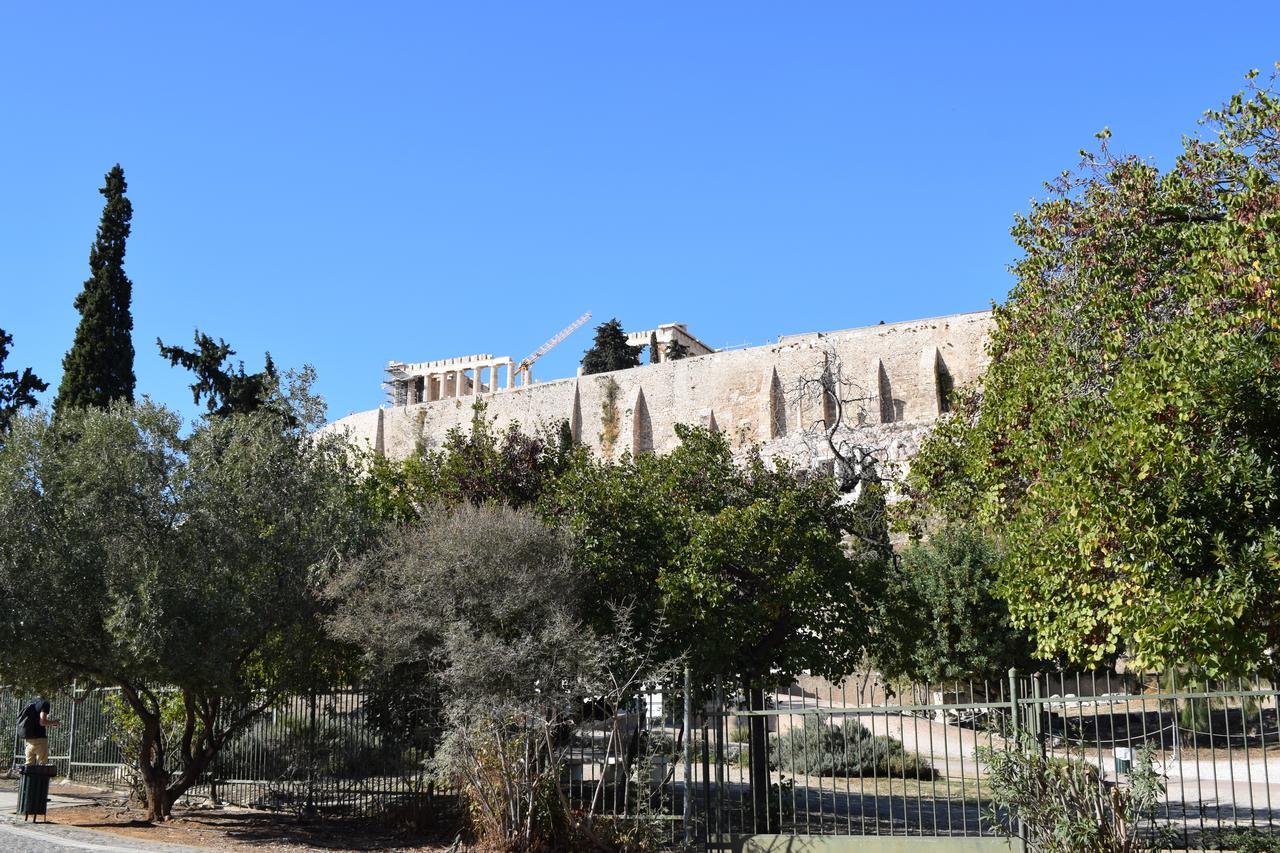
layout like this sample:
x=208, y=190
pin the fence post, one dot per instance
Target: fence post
x=1036, y=716
x=721, y=735
x=310, y=808
x=1015, y=729
x=71, y=736
x=17, y=737
x=688, y=756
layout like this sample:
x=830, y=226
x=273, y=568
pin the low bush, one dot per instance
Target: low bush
x=819, y=748
x=1064, y=804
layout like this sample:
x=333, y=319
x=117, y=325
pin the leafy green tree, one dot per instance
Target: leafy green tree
x=17, y=389
x=99, y=366
x=226, y=390
x=610, y=351
x=940, y=618
x=1125, y=445
x=479, y=465
x=132, y=558
x=675, y=351
x=747, y=562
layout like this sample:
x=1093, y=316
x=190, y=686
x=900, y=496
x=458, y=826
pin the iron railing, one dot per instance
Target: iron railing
x=318, y=753
x=855, y=758
x=865, y=758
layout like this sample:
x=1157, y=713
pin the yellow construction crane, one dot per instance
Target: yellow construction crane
x=523, y=367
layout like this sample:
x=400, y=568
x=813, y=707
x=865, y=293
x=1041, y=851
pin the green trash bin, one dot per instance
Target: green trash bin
x=33, y=790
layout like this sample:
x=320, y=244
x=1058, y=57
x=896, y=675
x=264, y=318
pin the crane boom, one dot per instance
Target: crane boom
x=550, y=344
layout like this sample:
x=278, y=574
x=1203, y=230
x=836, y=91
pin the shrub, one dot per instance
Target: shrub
x=819, y=748
x=1064, y=804
x=1250, y=841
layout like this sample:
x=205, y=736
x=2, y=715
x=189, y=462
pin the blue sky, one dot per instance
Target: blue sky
x=344, y=184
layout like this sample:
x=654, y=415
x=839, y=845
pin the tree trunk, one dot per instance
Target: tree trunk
x=151, y=751
x=155, y=779
x=164, y=789
x=759, y=754
x=192, y=770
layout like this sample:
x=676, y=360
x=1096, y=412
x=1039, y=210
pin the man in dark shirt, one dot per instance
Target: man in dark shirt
x=32, y=721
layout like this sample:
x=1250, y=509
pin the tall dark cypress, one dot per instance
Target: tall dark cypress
x=610, y=350
x=99, y=366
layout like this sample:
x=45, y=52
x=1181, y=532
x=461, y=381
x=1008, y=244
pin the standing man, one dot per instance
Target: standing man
x=32, y=721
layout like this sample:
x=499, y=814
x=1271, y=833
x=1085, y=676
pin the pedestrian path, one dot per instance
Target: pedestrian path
x=19, y=836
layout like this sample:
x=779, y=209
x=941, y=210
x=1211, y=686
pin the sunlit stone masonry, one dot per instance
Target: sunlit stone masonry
x=895, y=379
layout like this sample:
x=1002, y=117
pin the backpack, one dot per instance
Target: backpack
x=29, y=718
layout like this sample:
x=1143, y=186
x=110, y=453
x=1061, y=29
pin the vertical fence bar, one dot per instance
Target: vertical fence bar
x=309, y=808
x=1014, y=731
x=688, y=757
x=1262, y=747
x=71, y=735
x=721, y=721
x=17, y=738
x=706, y=785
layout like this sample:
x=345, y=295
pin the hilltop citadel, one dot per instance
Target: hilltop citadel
x=902, y=375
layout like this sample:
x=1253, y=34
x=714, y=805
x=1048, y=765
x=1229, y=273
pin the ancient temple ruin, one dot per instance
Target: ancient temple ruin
x=901, y=377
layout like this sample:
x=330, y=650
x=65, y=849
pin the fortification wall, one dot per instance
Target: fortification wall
x=900, y=373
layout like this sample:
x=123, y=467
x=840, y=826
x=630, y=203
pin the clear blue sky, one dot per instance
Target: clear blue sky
x=343, y=184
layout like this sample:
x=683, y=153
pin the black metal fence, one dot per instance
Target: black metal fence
x=855, y=758
x=866, y=758
x=317, y=754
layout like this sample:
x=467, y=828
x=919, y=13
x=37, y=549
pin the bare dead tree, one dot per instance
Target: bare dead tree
x=844, y=405
x=858, y=454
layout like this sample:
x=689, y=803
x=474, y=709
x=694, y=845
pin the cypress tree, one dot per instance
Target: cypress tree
x=675, y=351
x=226, y=390
x=99, y=366
x=655, y=355
x=610, y=350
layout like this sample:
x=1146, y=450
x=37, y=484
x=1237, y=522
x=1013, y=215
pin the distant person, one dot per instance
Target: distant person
x=32, y=722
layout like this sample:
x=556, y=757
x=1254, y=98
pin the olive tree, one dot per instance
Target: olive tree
x=135, y=558
x=484, y=605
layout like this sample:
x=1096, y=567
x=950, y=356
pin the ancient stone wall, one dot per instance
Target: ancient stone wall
x=900, y=374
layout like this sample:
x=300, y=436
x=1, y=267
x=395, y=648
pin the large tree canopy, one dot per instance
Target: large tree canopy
x=131, y=557
x=99, y=366
x=748, y=560
x=1125, y=443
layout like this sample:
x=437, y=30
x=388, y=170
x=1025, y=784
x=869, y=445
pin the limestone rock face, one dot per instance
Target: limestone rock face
x=895, y=380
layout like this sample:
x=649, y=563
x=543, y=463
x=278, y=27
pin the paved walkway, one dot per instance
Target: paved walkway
x=19, y=836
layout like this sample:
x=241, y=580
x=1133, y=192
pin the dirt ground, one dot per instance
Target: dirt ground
x=237, y=829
